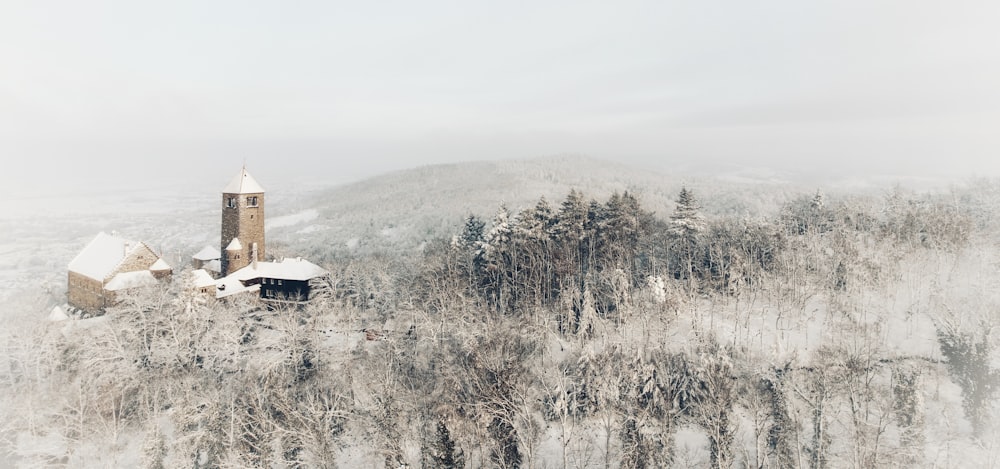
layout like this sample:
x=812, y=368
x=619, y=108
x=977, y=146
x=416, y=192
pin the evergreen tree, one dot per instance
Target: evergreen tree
x=817, y=202
x=472, y=233
x=571, y=219
x=968, y=356
x=808, y=215
x=442, y=452
x=496, y=255
x=533, y=239
x=570, y=236
x=622, y=227
x=686, y=226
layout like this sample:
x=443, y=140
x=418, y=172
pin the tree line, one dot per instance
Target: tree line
x=586, y=334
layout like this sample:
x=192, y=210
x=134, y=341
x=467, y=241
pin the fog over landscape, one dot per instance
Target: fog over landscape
x=709, y=234
x=170, y=92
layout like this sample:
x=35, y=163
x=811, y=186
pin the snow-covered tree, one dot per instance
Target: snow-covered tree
x=968, y=355
x=686, y=225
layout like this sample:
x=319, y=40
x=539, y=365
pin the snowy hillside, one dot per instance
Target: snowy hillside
x=737, y=322
x=402, y=210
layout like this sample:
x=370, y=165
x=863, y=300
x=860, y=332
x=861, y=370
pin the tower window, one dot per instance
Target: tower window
x=252, y=201
x=231, y=202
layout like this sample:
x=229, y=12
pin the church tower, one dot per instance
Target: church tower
x=242, y=223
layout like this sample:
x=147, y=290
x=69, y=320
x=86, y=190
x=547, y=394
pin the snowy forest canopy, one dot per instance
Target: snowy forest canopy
x=848, y=331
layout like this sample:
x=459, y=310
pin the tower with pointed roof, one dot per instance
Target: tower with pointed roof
x=242, y=223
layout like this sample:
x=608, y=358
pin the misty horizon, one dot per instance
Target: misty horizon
x=100, y=93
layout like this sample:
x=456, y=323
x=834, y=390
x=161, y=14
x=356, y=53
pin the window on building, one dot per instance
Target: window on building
x=279, y=282
x=231, y=202
x=252, y=201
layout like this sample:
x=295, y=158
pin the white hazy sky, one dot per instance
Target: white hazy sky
x=94, y=89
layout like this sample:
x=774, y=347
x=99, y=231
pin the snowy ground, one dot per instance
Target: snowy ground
x=900, y=318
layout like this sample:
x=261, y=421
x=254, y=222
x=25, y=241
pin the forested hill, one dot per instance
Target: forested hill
x=401, y=210
x=722, y=325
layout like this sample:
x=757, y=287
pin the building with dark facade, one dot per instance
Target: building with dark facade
x=243, y=270
x=289, y=280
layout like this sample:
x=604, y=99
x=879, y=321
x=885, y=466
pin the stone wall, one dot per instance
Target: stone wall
x=85, y=293
x=89, y=295
x=138, y=259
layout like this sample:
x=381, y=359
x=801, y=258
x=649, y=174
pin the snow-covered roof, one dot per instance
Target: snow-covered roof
x=286, y=269
x=213, y=265
x=229, y=286
x=126, y=280
x=208, y=253
x=159, y=265
x=58, y=314
x=102, y=256
x=234, y=245
x=200, y=279
x=243, y=183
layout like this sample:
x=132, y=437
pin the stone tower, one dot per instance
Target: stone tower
x=242, y=223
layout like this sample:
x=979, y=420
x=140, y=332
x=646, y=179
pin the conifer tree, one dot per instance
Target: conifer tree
x=533, y=239
x=473, y=231
x=442, y=452
x=686, y=226
x=571, y=237
x=496, y=254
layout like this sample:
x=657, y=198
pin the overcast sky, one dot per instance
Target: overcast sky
x=180, y=89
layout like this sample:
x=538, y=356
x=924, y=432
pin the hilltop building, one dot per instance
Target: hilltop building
x=287, y=280
x=242, y=223
x=209, y=259
x=202, y=282
x=108, y=266
x=242, y=268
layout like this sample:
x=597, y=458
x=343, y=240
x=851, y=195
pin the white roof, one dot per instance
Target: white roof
x=200, y=279
x=243, y=183
x=126, y=280
x=208, y=253
x=286, y=269
x=213, y=265
x=160, y=264
x=58, y=314
x=102, y=256
x=228, y=286
x=234, y=245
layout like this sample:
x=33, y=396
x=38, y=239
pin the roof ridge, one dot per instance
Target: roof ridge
x=243, y=183
x=128, y=242
x=84, y=251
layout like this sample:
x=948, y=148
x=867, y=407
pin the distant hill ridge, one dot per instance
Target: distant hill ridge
x=402, y=209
